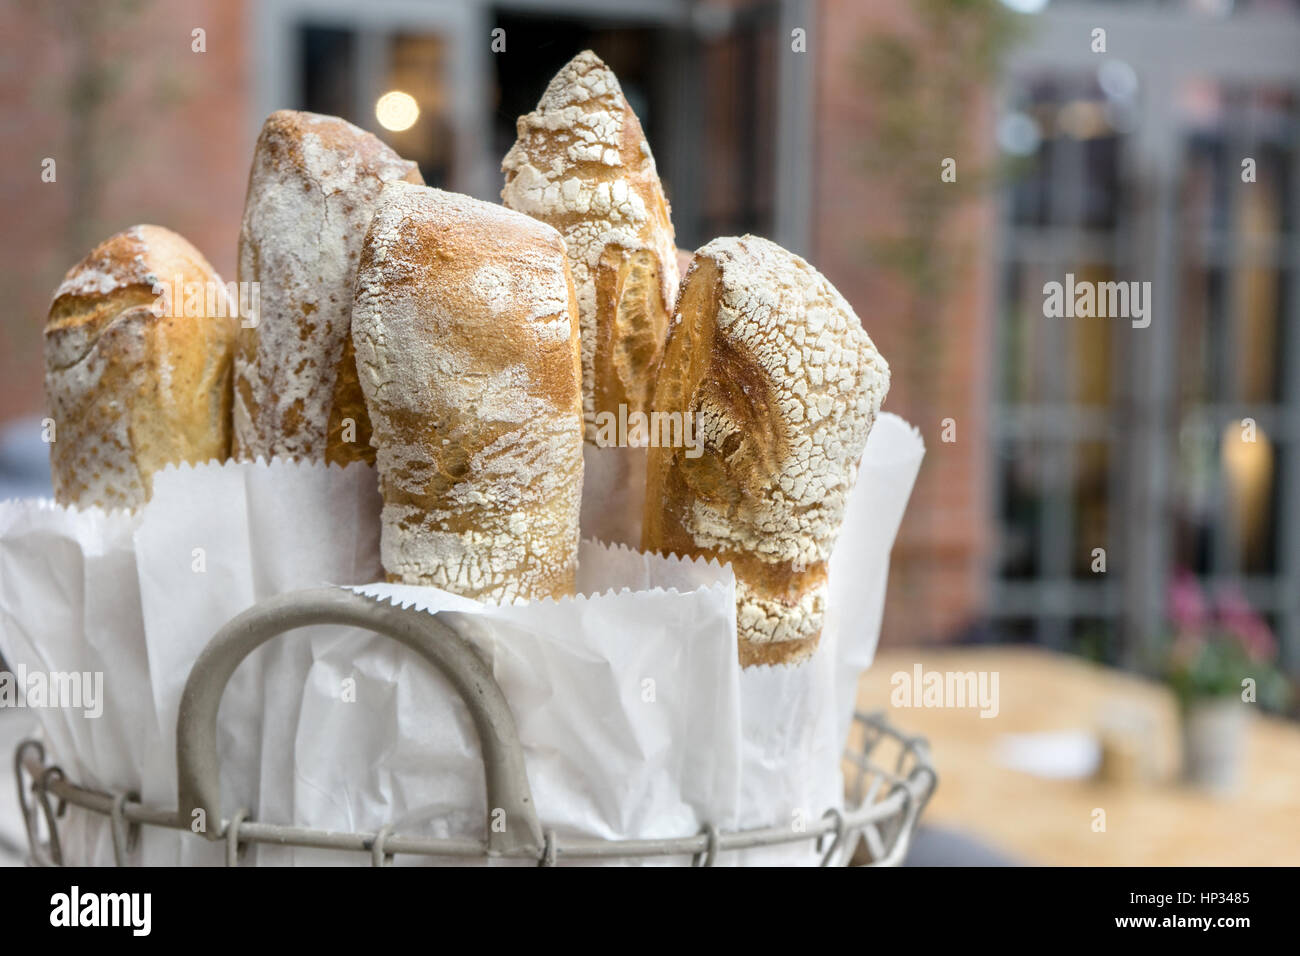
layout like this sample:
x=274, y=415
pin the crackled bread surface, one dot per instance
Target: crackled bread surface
x=783, y=385
x=311, y=192
x=134, y=381
x=582, y=164
x=467, y=350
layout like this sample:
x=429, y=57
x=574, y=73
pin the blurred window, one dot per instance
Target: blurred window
x=1120, y=172
x=715, y=154
x=1235, y=398
x=360, y=74
x=1066, y=204
x=425, y=79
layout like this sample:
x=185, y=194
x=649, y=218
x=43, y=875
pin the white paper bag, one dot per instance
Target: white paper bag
x=634, y=717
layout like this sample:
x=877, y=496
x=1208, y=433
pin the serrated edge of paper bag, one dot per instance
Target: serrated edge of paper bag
x=181, y=468
x=471, y=606
x=47, y=504
x=916, y=432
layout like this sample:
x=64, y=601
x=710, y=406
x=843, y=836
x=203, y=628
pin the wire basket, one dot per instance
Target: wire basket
x=875, y=829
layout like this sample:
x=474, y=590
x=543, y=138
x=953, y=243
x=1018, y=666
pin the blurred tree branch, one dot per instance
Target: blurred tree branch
x=105, y=46
x=927, y=79
x=925, y=86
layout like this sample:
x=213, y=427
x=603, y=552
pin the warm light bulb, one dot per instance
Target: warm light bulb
x=397, y=111
x=1248, y=464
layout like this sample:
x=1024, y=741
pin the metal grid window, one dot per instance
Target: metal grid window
x=1131, y=439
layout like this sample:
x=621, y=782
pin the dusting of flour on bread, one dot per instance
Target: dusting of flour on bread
x=827, y=382
x=311, y=193
x=784, y=385
x=132, y=386
x=467, y=354
x=581, y=163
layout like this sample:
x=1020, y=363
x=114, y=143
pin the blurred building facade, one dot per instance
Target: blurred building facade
x=1048, y=439
x=1173, y=159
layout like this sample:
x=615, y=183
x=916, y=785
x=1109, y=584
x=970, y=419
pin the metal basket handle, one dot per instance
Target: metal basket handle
x=198, y=779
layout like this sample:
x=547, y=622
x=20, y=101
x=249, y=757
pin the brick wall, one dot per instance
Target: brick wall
x=939, y=569
x=169, y=146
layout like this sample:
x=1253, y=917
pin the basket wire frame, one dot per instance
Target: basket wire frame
x=875, y=827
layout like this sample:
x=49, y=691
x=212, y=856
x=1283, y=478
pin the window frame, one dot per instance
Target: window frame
x=1166, y=48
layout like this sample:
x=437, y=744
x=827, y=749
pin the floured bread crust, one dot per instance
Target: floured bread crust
x=131, y=381
x=784, y=385
x=311, y=192
x=467, y=348
x=581, y=163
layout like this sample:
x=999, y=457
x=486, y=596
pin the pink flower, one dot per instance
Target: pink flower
x=1240, y=620
x=1187, y=608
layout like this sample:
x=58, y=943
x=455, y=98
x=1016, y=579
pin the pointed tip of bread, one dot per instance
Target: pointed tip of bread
x=583, y=78
x=589, y=59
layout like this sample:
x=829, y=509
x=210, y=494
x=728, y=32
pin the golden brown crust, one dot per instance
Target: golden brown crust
x=138, y=372
x=467, y=348
x=348, y=437
x=311, y=192
x=782, y=386
x=784, y=653
x=581, y=164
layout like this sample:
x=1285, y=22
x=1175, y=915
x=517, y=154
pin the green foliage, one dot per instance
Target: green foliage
x=1212, y=647
x=923, y=85
x=1215, y=668
x=105, y=44
x=1097, y=644
x=923, y=82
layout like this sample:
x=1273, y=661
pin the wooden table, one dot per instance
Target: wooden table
x=1042, y=821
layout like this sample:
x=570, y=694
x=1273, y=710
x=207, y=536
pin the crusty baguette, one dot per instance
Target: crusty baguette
x=581, y=163
x=311, y=193
x=783, y=385
x=467, y=347
x=138, y=351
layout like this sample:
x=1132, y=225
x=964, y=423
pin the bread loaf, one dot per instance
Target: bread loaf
x=139, y=345
x=783, y=385
x=467, y=346
x=311, y=193
x=581, y=163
